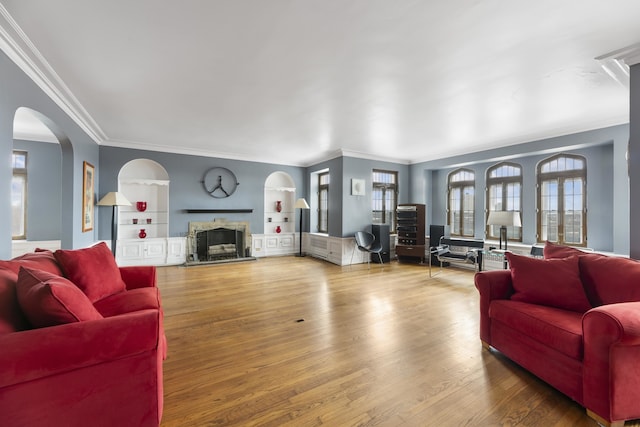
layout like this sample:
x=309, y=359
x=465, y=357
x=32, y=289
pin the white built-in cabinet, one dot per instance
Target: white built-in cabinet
x=278, y=187
x=143, y=180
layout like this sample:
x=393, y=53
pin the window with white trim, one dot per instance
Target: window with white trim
x=562, y=201
x=461, y=202
x=384, y=198
x=504, y=193
x=323, y=202
x=19, y=195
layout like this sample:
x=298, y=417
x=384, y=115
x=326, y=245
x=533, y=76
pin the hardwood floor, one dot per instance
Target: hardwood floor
x=301, y=342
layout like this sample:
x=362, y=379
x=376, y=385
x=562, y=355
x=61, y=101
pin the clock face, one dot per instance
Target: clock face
x=220, y=182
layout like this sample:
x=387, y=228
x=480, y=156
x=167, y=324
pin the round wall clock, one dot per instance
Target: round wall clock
x=220, y=182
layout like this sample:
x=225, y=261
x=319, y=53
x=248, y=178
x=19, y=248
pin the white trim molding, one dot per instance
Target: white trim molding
x=17, y=46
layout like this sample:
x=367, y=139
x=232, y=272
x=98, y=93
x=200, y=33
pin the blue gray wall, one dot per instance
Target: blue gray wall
x=610, y=196
x=44, y=162
x=607, y=183
x=356, y=210
x=18, y=90
x=186, y=191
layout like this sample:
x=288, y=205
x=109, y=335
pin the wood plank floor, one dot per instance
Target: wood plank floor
x=385, y=346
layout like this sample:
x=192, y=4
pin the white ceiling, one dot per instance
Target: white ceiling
x=297, y=81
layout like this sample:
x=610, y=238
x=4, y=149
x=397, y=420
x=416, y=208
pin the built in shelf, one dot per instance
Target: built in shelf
x=218, y=210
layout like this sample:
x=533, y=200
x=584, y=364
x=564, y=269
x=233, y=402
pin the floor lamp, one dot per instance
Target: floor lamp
x=114, y=199
x=504, y=219
x=301, y=204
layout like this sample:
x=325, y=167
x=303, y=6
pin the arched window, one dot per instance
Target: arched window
x=461, y=201
x=562, y=200
x=504, y=193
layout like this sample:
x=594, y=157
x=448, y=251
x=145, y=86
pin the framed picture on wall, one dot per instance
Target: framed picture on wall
x=88, y=195
x=357, y=187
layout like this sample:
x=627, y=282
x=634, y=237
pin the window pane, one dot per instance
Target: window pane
x=19, y=160
x=462, y=176
x=454, y=210
x=573, y=203
x=383, y=201
x=376, y=202
x=18, y=205
x=323, y=211
x=468, y=211
x=390, y=204
x=549, y=210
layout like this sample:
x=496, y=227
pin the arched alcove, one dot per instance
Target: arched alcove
x=50, y=204
x=279, y=187
x=138, y=169
x=145, y=181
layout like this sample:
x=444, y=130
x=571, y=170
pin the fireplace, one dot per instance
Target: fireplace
x=218, y=241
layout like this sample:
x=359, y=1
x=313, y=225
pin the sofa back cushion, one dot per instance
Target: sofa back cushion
x=94, y=270
x=11, y=317
x=48, y=299
x=609, y=279
x=40, y=260
x=553, y=251
x=549, y=282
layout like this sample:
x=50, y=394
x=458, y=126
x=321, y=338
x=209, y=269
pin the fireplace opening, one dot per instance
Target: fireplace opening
x=219, y=244
x=218, y=241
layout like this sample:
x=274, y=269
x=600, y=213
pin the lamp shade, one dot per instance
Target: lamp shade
x=114, y=199
x=301, y=204
x=506, y=218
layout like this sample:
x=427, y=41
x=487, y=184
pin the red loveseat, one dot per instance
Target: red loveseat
x=81, y=341
x=573, y=320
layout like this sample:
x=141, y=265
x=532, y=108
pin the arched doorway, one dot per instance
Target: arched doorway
x=46, y=182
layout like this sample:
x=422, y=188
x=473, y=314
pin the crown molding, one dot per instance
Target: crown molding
x=366, y=156
x=133, y=145
x=17, y=46
x=616, y=64
x=630, y=55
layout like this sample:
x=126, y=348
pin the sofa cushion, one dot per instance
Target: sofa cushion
x=611, y=279
x=11, y=317
x=41, y=260
x=129, y=301
x=550, y=282
x=94, y=270
x=48, y=299
x=553, y=251
x=553, y=327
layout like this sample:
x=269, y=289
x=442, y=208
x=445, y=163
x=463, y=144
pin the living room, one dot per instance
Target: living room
x=610, y=145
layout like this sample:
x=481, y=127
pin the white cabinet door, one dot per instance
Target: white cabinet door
x=155, y=251
x=176, y=250
x=258, y=245
x=129, y=251
x=141, y=252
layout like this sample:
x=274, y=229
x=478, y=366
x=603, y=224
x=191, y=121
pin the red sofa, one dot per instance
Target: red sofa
x=81, y=341
x=573, y=320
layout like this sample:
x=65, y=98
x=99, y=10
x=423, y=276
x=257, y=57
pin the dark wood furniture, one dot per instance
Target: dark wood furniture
x=411, y=232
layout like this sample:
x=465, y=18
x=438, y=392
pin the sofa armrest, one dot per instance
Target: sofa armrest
x=491, y=285
x=611, y=377
x=143, y=276
x=38, y=353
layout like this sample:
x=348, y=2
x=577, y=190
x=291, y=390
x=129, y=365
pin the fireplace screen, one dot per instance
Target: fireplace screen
x=219, y=243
